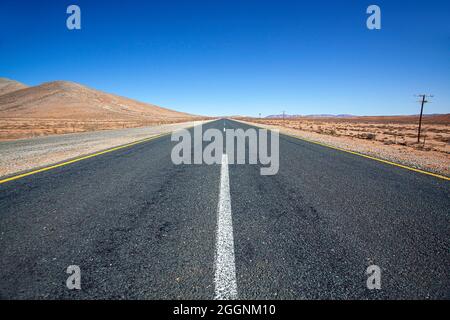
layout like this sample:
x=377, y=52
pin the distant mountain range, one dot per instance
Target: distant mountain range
x=276, y=116
x=287, y=116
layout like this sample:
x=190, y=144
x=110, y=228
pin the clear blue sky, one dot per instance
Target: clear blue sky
x=226, y=57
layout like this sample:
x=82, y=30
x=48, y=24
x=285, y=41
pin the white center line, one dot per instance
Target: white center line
x=225, y=271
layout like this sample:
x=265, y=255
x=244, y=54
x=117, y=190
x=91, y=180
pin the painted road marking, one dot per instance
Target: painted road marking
x=225, y=269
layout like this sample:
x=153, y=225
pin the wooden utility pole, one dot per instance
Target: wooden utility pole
x=423, y=101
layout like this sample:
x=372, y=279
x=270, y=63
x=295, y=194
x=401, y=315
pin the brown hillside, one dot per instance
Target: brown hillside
x=7, y=86
x=71, y=101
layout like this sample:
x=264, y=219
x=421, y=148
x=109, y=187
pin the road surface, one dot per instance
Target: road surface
x=140, y=227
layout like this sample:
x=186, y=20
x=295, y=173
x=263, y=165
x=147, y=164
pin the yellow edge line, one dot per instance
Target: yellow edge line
x=82, y=158
x=368, y=157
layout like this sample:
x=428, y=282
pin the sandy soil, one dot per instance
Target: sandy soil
x=23, y=155
x=390, y=138
x=23, y=128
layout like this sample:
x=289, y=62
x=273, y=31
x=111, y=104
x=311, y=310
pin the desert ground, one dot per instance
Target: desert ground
x=392, y=138
x=62, y=107
x=25, y=128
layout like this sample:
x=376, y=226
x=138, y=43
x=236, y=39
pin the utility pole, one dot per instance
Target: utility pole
x=423, y=101
x=283, y=115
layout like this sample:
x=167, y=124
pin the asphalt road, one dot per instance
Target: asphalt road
x=141, y=227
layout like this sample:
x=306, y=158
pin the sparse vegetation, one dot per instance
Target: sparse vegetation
x=11, y=129
x=389, y=131
x=391, y=138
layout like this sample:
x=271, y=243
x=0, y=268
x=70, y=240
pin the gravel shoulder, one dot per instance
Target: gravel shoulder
x=24, y=155
x=432, y=161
